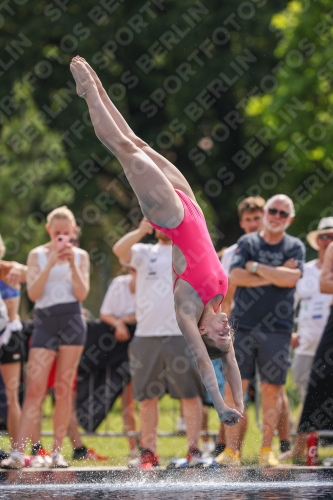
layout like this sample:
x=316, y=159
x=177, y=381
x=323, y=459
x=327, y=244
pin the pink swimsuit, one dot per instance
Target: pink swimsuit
x=203, y=271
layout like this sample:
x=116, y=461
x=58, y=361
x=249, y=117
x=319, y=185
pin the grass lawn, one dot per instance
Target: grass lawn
x=168, y=448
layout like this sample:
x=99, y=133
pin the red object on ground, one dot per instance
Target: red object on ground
x=312, y=454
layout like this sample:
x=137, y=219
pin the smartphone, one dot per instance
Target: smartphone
x=62, y=241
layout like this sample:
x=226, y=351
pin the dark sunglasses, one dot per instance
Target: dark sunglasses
x=325, y=237
x=282, y=213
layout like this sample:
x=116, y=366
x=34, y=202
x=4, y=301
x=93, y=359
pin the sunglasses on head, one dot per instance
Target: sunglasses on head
x=282, y=213
x=326, y=237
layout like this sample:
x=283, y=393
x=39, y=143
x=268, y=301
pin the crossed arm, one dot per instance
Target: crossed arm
x=285, y=276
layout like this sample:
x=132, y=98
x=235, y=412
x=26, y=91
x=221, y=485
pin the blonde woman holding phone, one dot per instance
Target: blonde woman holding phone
x=57, y=281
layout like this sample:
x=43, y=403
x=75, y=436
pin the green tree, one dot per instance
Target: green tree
x=179, y=71
x=297, y=115
x=33, y=166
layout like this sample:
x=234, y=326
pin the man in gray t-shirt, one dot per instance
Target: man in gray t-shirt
x=265, y=269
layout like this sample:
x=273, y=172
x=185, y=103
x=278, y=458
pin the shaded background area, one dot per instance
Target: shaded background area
x=236, y=94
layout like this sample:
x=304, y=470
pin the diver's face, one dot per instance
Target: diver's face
x=218, y=329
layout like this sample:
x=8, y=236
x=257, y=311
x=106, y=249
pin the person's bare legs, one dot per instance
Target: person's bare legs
x=157, y=197
x=73, y=426
x=128, y=414
x=283, y=426
x=11, y=377
x=221, y=435
x=192, y=410
x=234, y=435
x=169, y=170
x=204, y=423
x=39, y=365
x=270, y=402
x=149, y=413
x=299, y=453
x=67, y=362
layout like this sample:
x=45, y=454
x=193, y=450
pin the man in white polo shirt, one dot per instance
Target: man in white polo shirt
x=160, y=360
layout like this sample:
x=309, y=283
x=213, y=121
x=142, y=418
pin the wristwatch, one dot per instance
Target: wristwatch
x=254, y=267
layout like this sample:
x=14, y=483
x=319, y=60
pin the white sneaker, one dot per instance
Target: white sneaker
x=207, y=449
x=14, y=461
x=41, y=461
x=37, y=462
x=134, y=461
x=287, y=455
x=48, y=461
x=58, y=461
x=181, y=426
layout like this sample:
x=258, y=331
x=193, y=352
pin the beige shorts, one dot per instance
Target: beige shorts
x=161, y=365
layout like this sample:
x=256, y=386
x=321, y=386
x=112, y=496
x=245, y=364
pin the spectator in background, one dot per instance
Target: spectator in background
x=265, y=269
x=118, y=308
x=160, y=360
x=57, y=281
x=315, y=329
x=314, y=308
x=41, y=457
x=12, y=274
x=250, y=213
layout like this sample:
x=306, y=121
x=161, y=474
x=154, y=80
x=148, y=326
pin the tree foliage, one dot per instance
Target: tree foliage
x=297, y=114
x=223, y=90
x=33, y=166
x=179, y=71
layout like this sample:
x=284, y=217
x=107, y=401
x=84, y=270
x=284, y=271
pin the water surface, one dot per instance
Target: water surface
x=196, y=484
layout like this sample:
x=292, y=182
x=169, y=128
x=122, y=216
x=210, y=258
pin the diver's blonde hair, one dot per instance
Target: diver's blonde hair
x=61, y=213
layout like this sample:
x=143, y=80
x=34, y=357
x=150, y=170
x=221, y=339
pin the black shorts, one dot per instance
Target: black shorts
x=12, y=352
x=268, y=351
x=59, y=325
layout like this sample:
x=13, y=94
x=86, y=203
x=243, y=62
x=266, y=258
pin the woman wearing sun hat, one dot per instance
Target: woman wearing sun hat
x=318, y=406
x=314, y=308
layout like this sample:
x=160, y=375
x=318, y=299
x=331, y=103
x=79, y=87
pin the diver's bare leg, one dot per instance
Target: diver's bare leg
x=156, y=195
x=169, y=170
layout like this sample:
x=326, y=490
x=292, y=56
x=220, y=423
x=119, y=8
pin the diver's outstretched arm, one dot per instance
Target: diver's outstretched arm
x=193, y=338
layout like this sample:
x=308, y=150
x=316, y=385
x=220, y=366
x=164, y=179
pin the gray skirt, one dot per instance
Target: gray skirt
x=59, y=325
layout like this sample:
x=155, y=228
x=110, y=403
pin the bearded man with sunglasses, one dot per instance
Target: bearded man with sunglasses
x=265, y=269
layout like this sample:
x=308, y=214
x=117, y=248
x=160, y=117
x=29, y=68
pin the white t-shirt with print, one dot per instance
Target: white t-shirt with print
x=119, y=300
x=227, y=258
x=155, y=310
x=314, y=309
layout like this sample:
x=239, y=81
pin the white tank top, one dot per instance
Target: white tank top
x=59, y=288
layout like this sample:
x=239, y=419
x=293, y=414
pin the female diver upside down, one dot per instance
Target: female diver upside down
x=168, y=202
